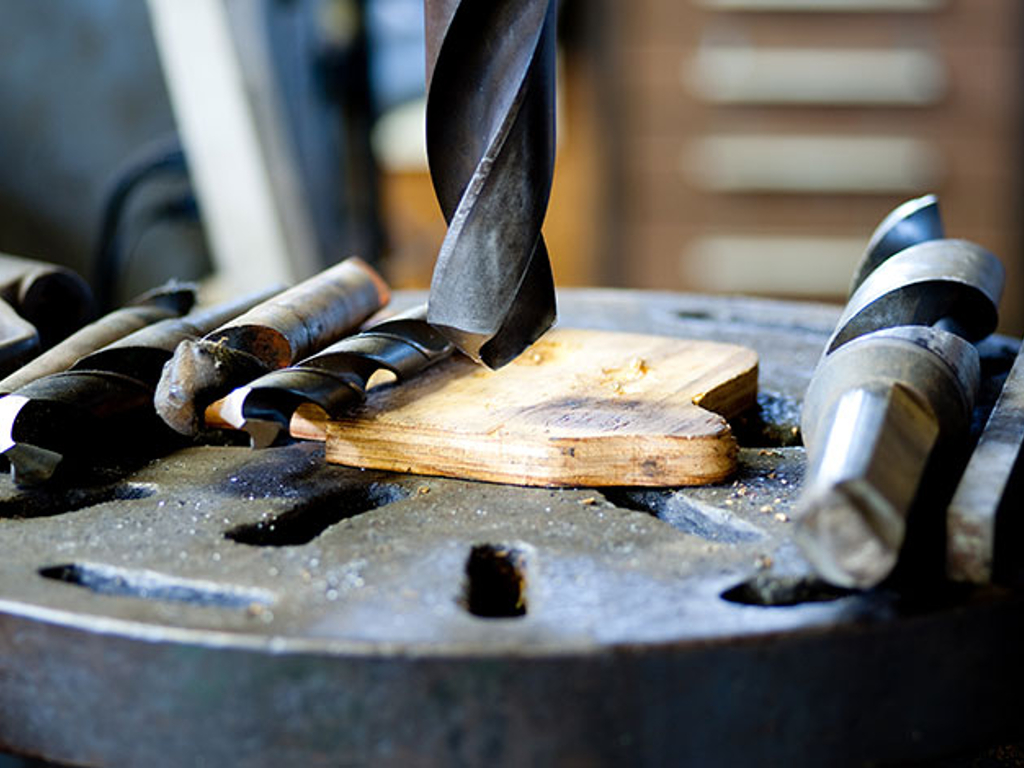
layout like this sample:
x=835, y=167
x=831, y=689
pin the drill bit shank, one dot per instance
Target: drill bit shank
x=872, y=419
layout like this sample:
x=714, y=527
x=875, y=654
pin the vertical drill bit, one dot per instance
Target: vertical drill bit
x=491, y=149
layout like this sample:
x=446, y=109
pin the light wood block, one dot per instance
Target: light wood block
x=579, y=408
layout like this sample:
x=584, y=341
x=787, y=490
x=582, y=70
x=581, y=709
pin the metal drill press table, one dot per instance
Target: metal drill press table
x=227, y=607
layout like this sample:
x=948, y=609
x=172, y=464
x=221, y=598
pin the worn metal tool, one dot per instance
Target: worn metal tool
x=40, y=304
x=983, y=520
x=915, y=221
x=56, y=300
x=893, y=391
x=102, y=405
x=19, y=339
x=491, y=148
x=288, y=327
x=168, y=301
x=336, y=379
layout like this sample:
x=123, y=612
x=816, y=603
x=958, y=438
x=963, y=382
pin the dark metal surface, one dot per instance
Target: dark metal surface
x=491, y=147
x=915, y=221
x=227, y=606
x=335, y=379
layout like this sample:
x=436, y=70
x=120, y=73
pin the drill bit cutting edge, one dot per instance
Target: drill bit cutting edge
x=491, y=149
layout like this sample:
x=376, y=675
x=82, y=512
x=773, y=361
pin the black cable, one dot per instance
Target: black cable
x=181, y=208
x=163, y=157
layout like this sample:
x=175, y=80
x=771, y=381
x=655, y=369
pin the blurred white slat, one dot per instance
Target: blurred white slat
x=793, y=265
x=811, y=164
x=825, y=6
x=863, y=77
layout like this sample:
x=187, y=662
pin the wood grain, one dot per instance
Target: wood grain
x=578, y=408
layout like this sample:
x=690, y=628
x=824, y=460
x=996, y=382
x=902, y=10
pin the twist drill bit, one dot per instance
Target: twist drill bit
x=276, y=333
x=893, y=391
x=491, y=150
x=915, y=221
x=334, y=380
x=167, y=301
x=103, y=404
x=19, y=339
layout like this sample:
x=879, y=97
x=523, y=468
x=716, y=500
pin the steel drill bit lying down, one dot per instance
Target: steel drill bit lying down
x=168, y=301
x=19, y=339
x=102, y=405
x=491, y=145
x=893, y=392
x=276, y=333
x=54, y=299
x=334, y=380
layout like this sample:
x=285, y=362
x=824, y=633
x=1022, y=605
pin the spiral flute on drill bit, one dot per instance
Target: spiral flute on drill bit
x=892, y=397
x=491, y=149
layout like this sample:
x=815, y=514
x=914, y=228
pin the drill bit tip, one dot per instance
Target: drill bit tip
x=264, y=430
x=30, y=464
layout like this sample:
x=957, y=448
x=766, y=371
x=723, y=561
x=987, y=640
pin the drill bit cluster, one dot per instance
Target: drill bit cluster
x=124, y=385
x=491, y=149
x=491, y=146
x=893, y=391
x=102, y=404
x=334, y=380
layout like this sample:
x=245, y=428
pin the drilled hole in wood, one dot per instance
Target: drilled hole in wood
x=303, y=523
x=495, y=582
x=775, y=591
x=48, y=503
x=150, y=585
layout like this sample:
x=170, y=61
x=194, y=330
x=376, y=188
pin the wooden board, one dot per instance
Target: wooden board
x=579, y=408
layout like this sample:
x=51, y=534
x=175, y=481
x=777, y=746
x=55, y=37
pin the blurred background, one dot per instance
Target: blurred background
x=726, y=146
